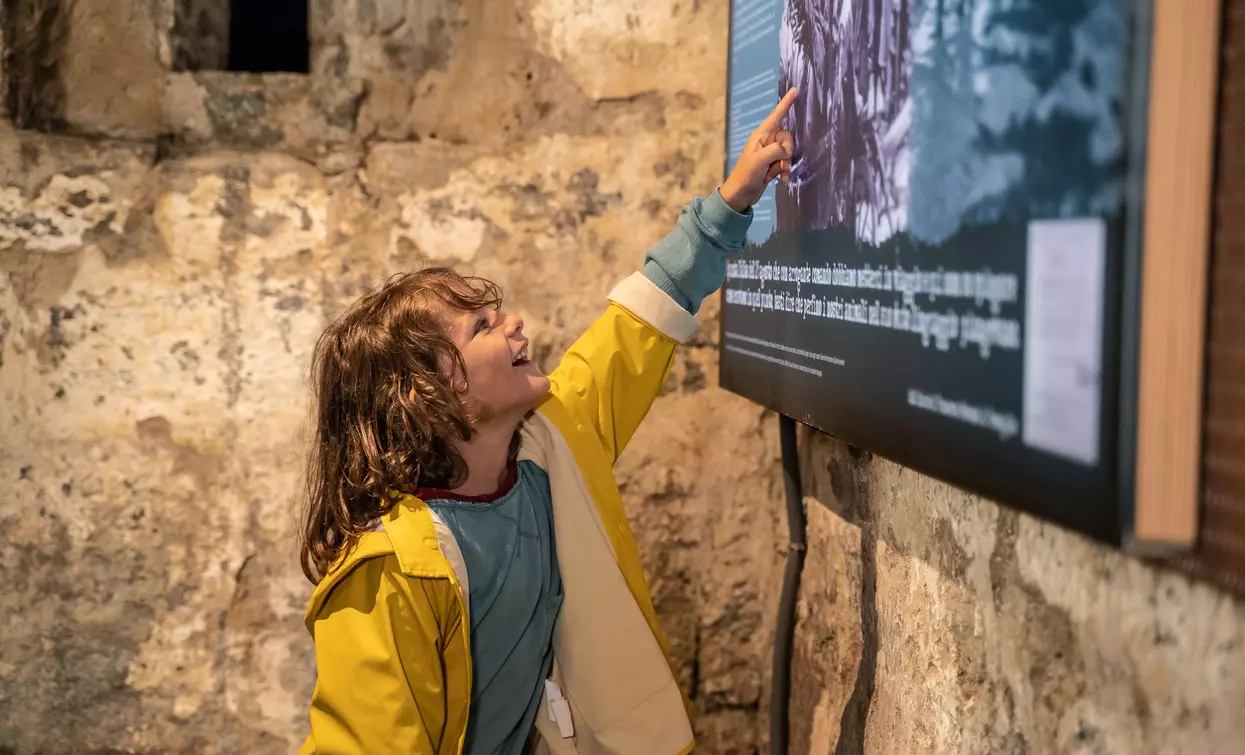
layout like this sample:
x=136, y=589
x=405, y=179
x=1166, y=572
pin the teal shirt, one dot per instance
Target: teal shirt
x=516, y=591
x=507, y=539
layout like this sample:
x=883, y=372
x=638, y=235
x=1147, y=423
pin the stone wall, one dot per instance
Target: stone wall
x=933, y=621
x=172, y=241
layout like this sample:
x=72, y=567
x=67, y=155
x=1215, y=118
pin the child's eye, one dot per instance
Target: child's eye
x=481, y=325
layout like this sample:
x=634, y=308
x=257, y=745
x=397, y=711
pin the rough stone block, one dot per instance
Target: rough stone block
x=302, y=115
x=58, y=195
x=622, y=49
x=827, y=678
x=985, y=631
x=109, y=68
x=153, y=447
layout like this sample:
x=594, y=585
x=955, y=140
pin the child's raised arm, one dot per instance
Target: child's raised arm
x=690, y=264
x=611, y=375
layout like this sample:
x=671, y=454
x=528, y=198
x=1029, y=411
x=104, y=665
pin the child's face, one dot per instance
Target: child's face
x=502, y=381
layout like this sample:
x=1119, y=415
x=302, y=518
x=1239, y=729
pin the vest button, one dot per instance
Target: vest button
x=431, y=542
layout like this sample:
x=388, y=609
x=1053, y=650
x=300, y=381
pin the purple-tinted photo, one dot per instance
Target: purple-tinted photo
x=851, y=61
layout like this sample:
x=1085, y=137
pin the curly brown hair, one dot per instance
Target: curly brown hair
x=385, y=409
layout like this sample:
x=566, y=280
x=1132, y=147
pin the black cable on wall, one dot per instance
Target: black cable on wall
x=784, y=632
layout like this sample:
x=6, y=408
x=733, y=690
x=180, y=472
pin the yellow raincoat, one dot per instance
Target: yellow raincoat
x=390, y=623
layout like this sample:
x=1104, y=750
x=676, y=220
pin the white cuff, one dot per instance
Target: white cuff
x=642, y=298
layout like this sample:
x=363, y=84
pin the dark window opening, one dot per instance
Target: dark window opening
x=254, y=36
x=268, y=35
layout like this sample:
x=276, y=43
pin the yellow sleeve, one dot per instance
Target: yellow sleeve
x=612, y=374
x=383, y=684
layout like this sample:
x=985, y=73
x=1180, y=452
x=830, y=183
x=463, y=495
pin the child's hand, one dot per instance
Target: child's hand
x=766, y=156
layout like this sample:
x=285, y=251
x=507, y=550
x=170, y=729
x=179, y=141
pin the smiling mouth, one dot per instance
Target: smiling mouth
x=521, y=359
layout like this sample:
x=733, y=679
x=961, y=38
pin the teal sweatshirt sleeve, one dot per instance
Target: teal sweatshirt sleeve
x=690, y=262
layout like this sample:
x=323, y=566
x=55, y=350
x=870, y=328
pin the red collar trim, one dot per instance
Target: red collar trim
x=507, y=483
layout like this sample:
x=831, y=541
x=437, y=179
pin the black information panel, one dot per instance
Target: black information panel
x=942, y=279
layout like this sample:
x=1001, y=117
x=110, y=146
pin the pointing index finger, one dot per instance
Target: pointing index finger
x=774, y=120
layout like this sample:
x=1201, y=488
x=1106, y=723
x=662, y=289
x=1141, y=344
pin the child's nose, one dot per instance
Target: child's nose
x=514, y=325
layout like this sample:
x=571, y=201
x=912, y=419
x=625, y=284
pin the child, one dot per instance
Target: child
x=445, y=619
